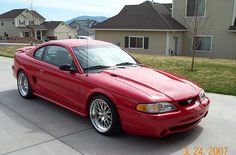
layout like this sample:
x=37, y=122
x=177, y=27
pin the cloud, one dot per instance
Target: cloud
x=99, y=7
x=84, y=5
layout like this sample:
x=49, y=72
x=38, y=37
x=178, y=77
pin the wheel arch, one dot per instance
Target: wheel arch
x=27, y=75
x=96, y=93
x=19, y=70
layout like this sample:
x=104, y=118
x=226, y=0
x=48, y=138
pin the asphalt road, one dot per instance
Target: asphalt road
x=38, y=127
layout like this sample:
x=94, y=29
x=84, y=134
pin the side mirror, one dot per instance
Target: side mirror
x=67, y=67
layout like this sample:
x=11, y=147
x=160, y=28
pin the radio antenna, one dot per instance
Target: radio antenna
x=87, y=48
x=31, y=5
x=87, y=55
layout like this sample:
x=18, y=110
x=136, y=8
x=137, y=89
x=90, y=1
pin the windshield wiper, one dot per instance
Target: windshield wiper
x=97, y=67
x=125, y=64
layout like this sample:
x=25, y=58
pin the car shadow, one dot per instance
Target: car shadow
x=78, y=133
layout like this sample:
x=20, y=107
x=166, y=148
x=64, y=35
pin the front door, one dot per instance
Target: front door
x=38, y=33
x=176, y=45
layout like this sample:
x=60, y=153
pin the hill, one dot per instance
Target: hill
x=97, y=18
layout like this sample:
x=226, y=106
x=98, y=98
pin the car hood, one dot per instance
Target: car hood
x=154, y=82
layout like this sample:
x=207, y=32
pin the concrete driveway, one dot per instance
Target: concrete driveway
x=38, y=127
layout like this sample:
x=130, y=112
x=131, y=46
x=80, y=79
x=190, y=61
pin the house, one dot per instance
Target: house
x=218, y=31
x=30, y=24
x=144, y=28
x=83, y=26
x=155, y=28
x=53, y=30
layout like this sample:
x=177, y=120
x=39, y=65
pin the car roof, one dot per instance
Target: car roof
x=78, y=42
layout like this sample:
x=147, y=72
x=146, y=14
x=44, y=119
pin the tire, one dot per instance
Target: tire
x=104, y=116
x=23, y=86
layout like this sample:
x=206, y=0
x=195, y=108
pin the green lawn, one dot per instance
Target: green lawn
x=8, y=51
x=214, y=75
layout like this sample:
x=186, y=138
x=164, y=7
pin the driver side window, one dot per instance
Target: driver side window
x=57, y=55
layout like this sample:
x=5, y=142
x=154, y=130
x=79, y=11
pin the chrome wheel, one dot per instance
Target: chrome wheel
x=23, y=84
x=101, y=115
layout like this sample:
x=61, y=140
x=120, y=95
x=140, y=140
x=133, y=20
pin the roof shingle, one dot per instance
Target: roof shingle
x=16, y=12
x=51, y=24
x=147, y=15
x=12, y=14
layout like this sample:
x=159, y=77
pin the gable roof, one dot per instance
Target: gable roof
x=147, y=15
x=12, y=14
x=47, y=25
x=233, y=28
x=16, y=12
x=51, y=24
x=37, y=14
x=82, y=32
x=168, y=6
x=83, y=23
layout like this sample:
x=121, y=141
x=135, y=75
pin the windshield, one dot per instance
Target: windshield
x=102, y=56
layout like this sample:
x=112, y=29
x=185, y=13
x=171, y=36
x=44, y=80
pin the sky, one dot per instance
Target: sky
x=64, y=10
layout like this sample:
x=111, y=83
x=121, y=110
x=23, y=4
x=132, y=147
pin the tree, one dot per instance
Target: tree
x=195, y=24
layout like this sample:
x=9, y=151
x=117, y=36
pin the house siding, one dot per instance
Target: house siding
x=217, y=22
x=27, y=16
x=14, y=30
x=157, y=40
x=9, y=28
x=64, y=32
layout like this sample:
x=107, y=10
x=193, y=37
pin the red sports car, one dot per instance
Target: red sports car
x=99, y=80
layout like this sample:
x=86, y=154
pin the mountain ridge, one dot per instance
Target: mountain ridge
x=97, y=18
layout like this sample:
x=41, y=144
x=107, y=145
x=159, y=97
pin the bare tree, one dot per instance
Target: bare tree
x=194, y=26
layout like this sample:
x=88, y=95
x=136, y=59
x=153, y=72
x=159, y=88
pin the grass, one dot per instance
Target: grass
x=214, y=75
x=8, y=51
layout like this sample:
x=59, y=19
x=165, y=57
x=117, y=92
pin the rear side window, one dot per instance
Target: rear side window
x=39, y=53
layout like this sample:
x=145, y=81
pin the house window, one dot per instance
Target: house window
x=2, y=23
x=21, y=22
x=32, y=22
x=195, y=8
x=203, y=44
x=26, y=34
x=136, y=42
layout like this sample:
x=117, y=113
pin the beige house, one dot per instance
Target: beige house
x=144, y=28
x=217, y=31
x=30, y=24
x=165, y=28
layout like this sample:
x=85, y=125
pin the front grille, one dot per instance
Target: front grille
x=188, y=102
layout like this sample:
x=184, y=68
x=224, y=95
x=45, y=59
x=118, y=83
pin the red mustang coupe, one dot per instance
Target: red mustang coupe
x=99, y=80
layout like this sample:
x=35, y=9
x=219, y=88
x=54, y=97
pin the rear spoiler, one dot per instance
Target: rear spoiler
x=24, y=49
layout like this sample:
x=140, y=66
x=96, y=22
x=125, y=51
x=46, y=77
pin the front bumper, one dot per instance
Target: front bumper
x=13, y=71
x=159, y=125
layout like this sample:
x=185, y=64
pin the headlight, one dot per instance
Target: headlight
x=156, y=107
x=202, y=95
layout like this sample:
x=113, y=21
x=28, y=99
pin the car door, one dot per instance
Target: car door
x=55, y=84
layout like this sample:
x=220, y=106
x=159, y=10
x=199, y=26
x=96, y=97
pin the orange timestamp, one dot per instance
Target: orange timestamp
x=203, y=151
